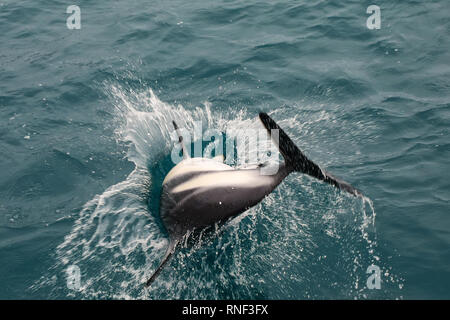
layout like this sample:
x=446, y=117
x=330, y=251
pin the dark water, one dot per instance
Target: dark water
x=84, y=139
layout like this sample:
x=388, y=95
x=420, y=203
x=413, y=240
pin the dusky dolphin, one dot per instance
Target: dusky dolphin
x=199, y=192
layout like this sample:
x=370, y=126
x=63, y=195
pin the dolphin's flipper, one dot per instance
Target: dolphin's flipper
x=180, y=139
x=167, y=256
x=297, y=161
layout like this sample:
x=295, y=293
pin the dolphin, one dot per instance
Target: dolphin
x=199, y=192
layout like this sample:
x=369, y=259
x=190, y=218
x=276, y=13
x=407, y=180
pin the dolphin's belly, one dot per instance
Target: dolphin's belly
x=203, y=198
x=192, y=166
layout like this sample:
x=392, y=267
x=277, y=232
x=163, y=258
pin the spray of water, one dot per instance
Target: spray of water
x=302, y=241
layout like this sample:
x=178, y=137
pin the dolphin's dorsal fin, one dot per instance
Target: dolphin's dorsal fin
x=219, y=158
x=180, y=139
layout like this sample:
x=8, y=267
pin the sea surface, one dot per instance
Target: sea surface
x=85, y=141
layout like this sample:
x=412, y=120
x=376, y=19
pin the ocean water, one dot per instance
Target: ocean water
x=85, y=142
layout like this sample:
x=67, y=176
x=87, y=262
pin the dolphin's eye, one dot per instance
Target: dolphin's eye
x=269, y=153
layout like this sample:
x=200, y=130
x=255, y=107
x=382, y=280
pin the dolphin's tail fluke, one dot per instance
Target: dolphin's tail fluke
x=167, y=256
x=297, y=161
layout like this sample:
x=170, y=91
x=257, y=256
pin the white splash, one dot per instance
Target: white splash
x=268, y=251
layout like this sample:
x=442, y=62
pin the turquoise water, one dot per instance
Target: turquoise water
x=84, y=140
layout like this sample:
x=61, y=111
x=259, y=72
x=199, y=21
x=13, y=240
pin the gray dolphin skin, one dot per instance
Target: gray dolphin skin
x=199, y=192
